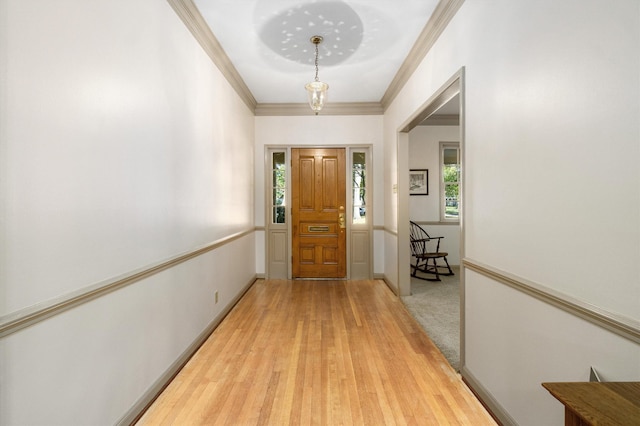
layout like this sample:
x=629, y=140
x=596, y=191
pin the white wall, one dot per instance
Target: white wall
x=552, y=139
x=319, y=131
x=566, y=105
x=424, y=153
x=514, y=343
x=121, y=146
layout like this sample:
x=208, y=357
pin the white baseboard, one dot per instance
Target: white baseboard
x=490, y=403
x=141, y=405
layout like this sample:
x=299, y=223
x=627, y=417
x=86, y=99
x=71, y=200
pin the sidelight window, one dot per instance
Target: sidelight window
x=359, y=186
x=278, y=190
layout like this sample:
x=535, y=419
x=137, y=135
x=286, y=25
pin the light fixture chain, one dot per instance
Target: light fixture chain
x=317, y=79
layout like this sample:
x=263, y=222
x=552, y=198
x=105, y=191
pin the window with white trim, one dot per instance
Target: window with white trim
x=450, y=181
x=278, y=186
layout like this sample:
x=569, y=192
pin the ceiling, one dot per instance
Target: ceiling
x=268, y=42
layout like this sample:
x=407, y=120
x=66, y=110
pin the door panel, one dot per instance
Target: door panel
x=318, y=199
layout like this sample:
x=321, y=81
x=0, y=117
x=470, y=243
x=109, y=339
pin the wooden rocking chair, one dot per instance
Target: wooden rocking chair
x=426, y=251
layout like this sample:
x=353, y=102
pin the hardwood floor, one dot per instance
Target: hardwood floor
x=317, y=352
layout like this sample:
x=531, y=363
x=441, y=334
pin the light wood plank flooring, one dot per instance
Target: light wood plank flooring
x=317, y=352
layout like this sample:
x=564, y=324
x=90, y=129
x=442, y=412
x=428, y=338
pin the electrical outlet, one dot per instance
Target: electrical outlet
x=216, y=296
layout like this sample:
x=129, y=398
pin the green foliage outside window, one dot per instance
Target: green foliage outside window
x=451, y=178
x=279, y=182
x=358, y=176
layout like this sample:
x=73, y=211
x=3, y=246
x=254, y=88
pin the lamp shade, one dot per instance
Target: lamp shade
x=317, y=91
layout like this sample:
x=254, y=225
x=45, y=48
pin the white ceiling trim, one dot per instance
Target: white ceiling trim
x=190, y=15
x=335, y=108
x=442, y=15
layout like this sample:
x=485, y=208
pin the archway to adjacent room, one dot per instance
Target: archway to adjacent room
x=444, y=108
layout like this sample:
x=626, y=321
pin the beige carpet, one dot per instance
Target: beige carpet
x=436, y=307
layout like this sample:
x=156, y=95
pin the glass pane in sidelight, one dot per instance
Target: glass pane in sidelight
x=359, y=180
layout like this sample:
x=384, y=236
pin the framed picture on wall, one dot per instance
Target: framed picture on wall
x=418, y=182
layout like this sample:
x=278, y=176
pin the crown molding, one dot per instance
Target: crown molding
x=442, y=15
x=339, y=108
x=193, y=20
x=190, y=15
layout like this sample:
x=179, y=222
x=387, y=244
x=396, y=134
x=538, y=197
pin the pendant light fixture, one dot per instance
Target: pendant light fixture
x=317, y=90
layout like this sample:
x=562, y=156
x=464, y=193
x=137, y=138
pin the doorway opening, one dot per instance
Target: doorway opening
x=426, y=144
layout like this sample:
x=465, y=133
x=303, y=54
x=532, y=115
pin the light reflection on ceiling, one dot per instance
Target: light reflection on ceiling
x=288, y=32
x=365, y=43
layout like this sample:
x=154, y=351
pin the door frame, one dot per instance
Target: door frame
x=318, y=212
x=351, y=229
x=454, y=86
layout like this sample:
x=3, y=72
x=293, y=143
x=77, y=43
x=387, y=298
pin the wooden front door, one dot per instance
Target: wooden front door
x=318, y=195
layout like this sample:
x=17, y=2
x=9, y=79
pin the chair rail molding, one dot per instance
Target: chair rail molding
x=618, y=324
x=390, y=231
x=26, y=317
